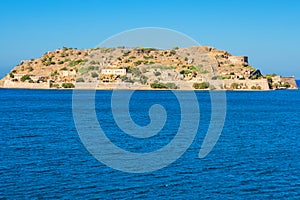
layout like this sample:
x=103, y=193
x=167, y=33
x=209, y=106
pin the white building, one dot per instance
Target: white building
x=121, y=72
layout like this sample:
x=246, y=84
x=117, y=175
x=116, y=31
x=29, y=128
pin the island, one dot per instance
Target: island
x=192, y=68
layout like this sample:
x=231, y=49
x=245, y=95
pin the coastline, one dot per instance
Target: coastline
x=150, y=89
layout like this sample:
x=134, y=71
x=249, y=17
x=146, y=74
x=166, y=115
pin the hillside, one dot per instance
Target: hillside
x=142, y=68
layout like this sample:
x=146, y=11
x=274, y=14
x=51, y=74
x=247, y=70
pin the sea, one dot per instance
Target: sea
x=257, y=155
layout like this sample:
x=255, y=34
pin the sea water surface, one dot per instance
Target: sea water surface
x=256, y=157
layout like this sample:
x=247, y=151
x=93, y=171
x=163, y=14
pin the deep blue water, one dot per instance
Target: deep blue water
x=257, y=155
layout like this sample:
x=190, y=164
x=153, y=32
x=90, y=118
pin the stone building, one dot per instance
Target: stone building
x=238, y=59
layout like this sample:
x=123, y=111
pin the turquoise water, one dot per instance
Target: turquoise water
x=257, y=155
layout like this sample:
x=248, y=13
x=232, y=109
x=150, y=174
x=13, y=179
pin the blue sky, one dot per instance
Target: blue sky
x=266, y=31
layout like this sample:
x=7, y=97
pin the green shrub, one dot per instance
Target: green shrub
x=172, y=52
x=126, y=54
x=143, y=79
x=64, y=55
x=287, y=85
x=226, y=77
x=158, y=85
x=185, y=72
x=93, y=62
x=60, y=62
x=192, y=67
x=25, y=77
x=157, y=73
x=198, y=68
x=68, y=85
x=64, y=69
x=136, y=72
x=91, y=68
x=11, y=75
x=126, y=79
x=80, y=80
x=203, y=85
x=234, y=86
x=171, y=85
x=30, y=69
x=253, y=87
x=137, y=63
x=148, y=57
x=83, y=70
x=75, y=62
x=55, y=85
x=129, y=69
x=163, y=85
x=55, y=73
x=47, y=60
x=94, y=75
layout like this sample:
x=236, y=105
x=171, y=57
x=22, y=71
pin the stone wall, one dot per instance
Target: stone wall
x=238, y=59
x=290, y=80
x=12, y=84
x=247, y=84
